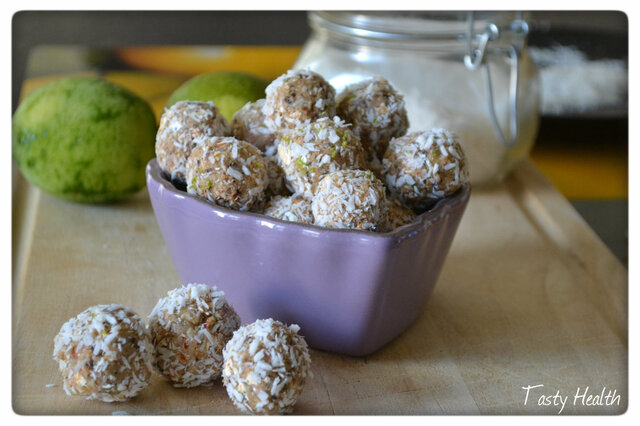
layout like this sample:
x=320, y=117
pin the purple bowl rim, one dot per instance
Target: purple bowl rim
x=419, y=225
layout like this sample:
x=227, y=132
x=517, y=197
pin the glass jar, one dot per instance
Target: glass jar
x=465, y=71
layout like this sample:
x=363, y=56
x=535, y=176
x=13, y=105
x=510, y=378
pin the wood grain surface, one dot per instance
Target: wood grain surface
x=528, y=295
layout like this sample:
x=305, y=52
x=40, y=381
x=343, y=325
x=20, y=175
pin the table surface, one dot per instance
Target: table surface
x=528, y=295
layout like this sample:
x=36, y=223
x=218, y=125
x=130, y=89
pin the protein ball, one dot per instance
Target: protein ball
x=422, y=167
x=277, y=179
x=189, y=328
x=349, y=199
x=104, y=353
x=292, y=209
x=297, y=97
x=248, y=125
x=312, y=150
x=265, y=367
x=228, y=172
x=376, y=111
x=396, y=215
x=182, y=126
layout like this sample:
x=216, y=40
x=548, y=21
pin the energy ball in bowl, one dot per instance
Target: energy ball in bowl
x=182, y=126
x=297, y=97
x=228, y=172
x=277, y=179
x=314, y=149
x=248, y=125
x=376, y=111
x=349, y=199
x=292, y=209
x=104, y=353
x=422, y=167
x=396, y=215
x=189, y=328
x=266, y=364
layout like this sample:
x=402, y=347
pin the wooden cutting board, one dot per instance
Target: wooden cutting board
x=528, y=295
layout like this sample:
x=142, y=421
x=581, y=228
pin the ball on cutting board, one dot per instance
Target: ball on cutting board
x=104, y=353
x=266, y=364
x=229, y=90
x=189, y=328
x=84, y=139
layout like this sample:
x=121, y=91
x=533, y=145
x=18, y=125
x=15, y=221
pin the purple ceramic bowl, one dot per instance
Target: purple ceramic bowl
x=351, y=292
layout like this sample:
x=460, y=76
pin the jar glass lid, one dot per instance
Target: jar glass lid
x=409, y=24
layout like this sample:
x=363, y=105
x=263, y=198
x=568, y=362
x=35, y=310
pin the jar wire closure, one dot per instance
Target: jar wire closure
x=475, y=58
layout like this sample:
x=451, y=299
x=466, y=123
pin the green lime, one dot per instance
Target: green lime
x=229, y=90
x=84, y=139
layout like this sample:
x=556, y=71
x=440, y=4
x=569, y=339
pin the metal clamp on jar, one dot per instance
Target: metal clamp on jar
x=465, y=71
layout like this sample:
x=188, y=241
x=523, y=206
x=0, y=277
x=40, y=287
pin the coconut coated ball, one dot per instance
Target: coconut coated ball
x=422, y=167
x=297, y=97
x=312, y=150
x=248, y=125
x=265, y=367
x=182, y=127
x=189, y=329
x=292, y=209
x=104, y=353
x=376, y=111
x=349, y=199
x=228, y=172
x=277, y=179
x=396, y=215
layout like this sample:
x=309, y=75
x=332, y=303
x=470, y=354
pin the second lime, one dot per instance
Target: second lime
x=229, y=90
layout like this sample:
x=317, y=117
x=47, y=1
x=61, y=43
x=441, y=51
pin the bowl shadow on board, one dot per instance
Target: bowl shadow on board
x=487, y=327
x=499, y=312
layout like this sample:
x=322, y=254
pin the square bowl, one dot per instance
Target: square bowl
x=350, y=291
